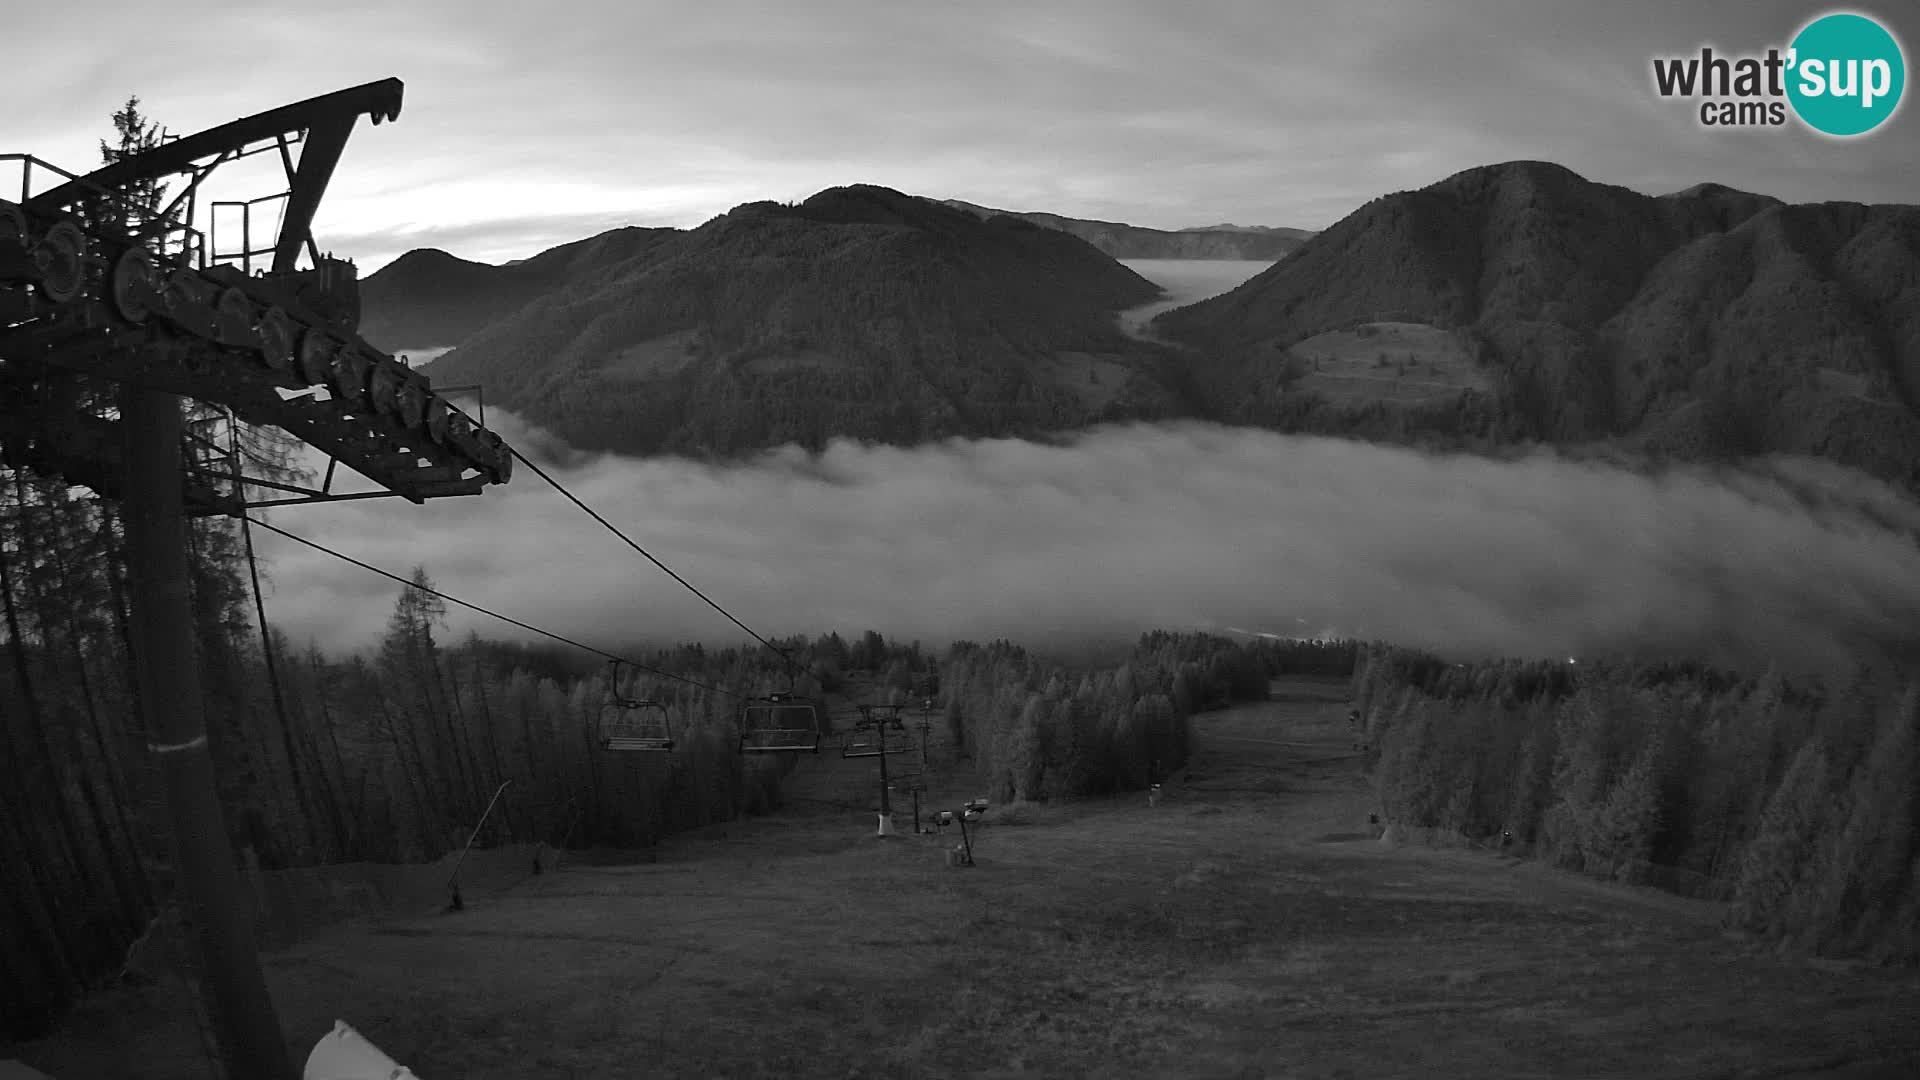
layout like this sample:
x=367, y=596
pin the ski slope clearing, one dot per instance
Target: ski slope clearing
x=1250, y=925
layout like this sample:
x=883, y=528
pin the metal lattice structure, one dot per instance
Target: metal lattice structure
x=113, y=307
x=98, y=283
x=868, y=736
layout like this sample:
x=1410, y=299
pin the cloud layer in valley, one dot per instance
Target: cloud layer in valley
x=1131, y=528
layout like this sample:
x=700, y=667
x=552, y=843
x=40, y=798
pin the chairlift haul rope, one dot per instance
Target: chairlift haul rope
x=664, y=568
x=776, y=723
x=494, y=614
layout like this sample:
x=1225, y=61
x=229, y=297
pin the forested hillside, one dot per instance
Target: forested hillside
x=428, y=299
x=1123, y=241
x=1799, y=804
x=392, y=756
x=861, y=312
x=1508, y=304
x=1706, y=324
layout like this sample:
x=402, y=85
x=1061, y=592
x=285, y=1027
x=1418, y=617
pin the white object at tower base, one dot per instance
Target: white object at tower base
x=345, y=1054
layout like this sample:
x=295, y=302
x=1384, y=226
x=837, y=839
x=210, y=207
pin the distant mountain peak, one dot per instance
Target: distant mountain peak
x=800, y=322
x=1710, y=321
x=1710, y=190
x=1517, y=176
x=428, y=298
x=875, y=205
x=428, y=258
x=1123, y=241
x=1227, y=226
x=1519, y=167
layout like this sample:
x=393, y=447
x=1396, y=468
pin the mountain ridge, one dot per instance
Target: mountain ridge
x=1508, y=304
x=860, y=311
x=1124, y=241
x=1708, y=322
x=429, y=298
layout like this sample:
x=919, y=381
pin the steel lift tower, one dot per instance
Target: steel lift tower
x=112, y=309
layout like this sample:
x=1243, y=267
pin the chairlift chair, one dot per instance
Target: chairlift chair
x=632, y=723
x=779, y=724
x=635, y=724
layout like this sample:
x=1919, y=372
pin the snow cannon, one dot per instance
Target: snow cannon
x=345, y=1054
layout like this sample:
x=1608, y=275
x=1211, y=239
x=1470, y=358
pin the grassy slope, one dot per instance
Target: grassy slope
x=1248, y=926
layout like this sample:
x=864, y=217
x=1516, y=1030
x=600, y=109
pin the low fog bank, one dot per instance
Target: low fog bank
x=1136, y=527
x=1185, y=281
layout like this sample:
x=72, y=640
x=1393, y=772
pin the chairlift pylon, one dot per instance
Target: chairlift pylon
x=779, y=724
x=632, y=723
x=867, y=738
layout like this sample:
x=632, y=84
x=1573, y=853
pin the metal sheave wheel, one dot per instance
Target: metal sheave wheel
x=459, y=431
x=275, y=337
x=348, y=375
x=384, y=390
x=501, y=467
x=234, y=322
x=133, y=291
x=439, y=416
x=316, y=355
x=61, y=257
x=413, y=406
x=13, y=226
x=174, y=302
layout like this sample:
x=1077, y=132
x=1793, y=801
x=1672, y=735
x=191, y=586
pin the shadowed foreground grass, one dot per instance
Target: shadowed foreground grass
x=1249, y=926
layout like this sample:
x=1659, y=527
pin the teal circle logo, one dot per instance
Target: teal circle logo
x=1846, y=74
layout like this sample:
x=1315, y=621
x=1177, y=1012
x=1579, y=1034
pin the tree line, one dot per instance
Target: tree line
x=1796, y=804
x=392, y=756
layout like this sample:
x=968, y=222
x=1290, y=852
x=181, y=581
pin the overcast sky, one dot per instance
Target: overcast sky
x=531, y=124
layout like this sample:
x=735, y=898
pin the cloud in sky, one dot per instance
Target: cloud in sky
x=1130, y=528
x=527, y=123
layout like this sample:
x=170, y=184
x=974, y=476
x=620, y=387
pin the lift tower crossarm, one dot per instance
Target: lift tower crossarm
x=325, y=121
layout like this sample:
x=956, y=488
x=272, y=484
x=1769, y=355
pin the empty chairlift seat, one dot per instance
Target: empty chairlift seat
x=635, y=725
x=779, y=723
x=632, y=723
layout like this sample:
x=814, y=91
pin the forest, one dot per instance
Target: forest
x=1796, y=804
x=392, y=756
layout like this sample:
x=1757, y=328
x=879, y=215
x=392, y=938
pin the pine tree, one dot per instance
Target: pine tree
x=1863, y=868
x=139, y=203
x=1629, y=820
x=1776, y=859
